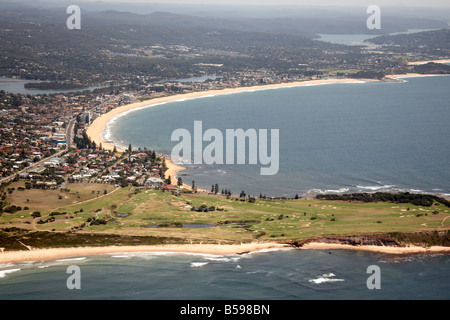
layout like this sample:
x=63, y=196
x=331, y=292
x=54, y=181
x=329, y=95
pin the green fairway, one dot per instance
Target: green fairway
x=133, y=211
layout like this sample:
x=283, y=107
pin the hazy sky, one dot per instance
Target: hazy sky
x=407, y=3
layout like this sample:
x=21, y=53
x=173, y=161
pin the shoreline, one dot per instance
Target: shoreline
x=95, y=130
x=378, y=249
x=208, y=249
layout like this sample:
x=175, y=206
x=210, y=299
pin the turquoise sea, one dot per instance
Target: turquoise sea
x=334, y=138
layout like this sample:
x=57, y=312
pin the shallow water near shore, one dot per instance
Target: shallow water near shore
x=282, y=275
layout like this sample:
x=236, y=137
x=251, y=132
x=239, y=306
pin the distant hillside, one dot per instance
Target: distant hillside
x=304, y=22
x=432, y=68
x=427, y=42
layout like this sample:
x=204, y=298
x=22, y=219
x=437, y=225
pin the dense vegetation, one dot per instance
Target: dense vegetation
x=10, y=239
x=54, y=85
x=426, y=200
x=432, y=68
x=427, y=43
x=35, y=48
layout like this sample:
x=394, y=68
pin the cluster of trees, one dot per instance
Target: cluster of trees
x=95, y=221
x=203, y=208
x=427, y=43
x=51, y=219
x=368, y=75
x=11, y=208
x=425, y=200
x=84, y=142
x=432, y=68
x=52, y=85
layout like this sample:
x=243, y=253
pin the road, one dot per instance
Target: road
x=69, y=139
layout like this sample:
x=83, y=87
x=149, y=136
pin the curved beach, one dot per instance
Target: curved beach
x=95, y=130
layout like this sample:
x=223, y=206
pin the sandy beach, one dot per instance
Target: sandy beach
x=411, y=75
x=213, y=249
x=95, y=130
x=405, y=75
x=59, y=253
x=172, y=170
x=380, y=249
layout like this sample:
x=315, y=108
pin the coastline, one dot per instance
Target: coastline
x=95, y=130
x=60, y=253
x=210, y=249
x=379, y=249
x=95, y=133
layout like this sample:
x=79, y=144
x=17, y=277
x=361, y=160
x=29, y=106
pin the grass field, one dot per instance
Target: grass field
x=148, y=212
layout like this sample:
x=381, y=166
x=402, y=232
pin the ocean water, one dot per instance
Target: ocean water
x=342, y=137
x=273, y=275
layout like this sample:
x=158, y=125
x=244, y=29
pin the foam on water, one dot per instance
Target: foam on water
x=3, y=273
x=71, y=259
x=328, y=277
x=292, y=274
x=198, y=264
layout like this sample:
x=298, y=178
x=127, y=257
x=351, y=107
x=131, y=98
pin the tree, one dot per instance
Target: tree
x=216, y=188
x=180, y=182
x=242, y=195
x=130, y=149
x=36, y=214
